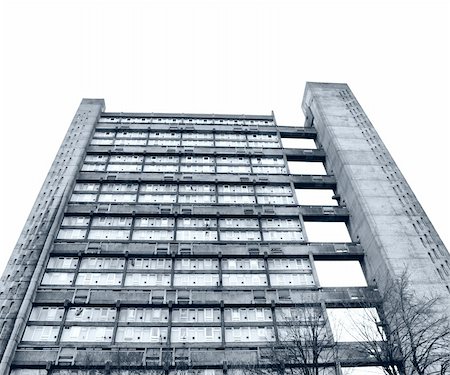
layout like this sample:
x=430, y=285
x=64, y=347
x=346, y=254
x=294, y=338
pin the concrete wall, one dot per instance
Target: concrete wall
x=34, y=242
x=385, y=216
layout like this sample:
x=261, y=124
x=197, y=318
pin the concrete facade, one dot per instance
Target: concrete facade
x=164, y=241
x=25, y=266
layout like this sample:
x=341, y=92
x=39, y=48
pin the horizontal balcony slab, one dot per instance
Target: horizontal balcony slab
x=325, y=251
x=202, y=297
x=310, y=213
x=186, y=150
x=212, y=116
x=184, y=210
x=298, y=154
x=157, y=358
x=300, y=181
x=297, y=132
x=200, y=128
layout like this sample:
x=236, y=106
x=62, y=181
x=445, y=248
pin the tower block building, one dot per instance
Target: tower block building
x=165, y=243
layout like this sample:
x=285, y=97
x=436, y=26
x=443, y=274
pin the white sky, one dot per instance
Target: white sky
x=222, y=57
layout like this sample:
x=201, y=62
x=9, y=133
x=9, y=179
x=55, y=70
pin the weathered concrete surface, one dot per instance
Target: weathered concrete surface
x=384, y=213
x=33, y=244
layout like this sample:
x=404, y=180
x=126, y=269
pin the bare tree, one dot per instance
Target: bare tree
x=411, y=337
x=304, y=345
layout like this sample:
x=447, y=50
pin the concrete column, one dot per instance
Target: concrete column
x=27, y=262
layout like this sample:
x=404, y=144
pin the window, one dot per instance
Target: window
x=93, y=167
x=280, y=223
x=145, y=279
x=233, y=169
x=102, y=263
x=230, y=137
x=130, y=142
x=263, y=144
x=270, y=170
x=235, y=235
x=196, y=334
x=124, y=167
x=86, y=186
x=197, y=160
x=46, y=314
x=263, y=137
x=149, y=263
x=201, y=188
x=164, y=135
x=157, y=198
x=268, y=161
x=163, y=142
x=111, y=221
x=132, y=134
x=249, y=334
x=243, y=279
x=117, y=198
x=62, y=262
x=197, y=168
x=243, y=264
x=141, y=315
x=147, y=222
x=164, y=168
x=57, y=278
x=291, y=279
x=268, y=199
x=157, y=235
x=274, y=189
x=41, y=333
x=158, y=188
x=299, y=264
x=231, y=144
x=104, y=234
x=193, y=198
x=197, y=143
x=87, y=334
x=196, y=235
x=71, y=234
x=239, y=189
x=196, y=315
x=92, y=278
x=197, y=136
x=302, y=314
x=91, y=314
x=196, y=264
x=237, y=199
x=196, y=279
x=96, y=158
x=248, y=315
x=238, y=223
x=282, y=236
x=83, y=198
x=131, y=159
x=75, y=221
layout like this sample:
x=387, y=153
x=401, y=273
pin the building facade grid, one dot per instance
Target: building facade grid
x=161, y=242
